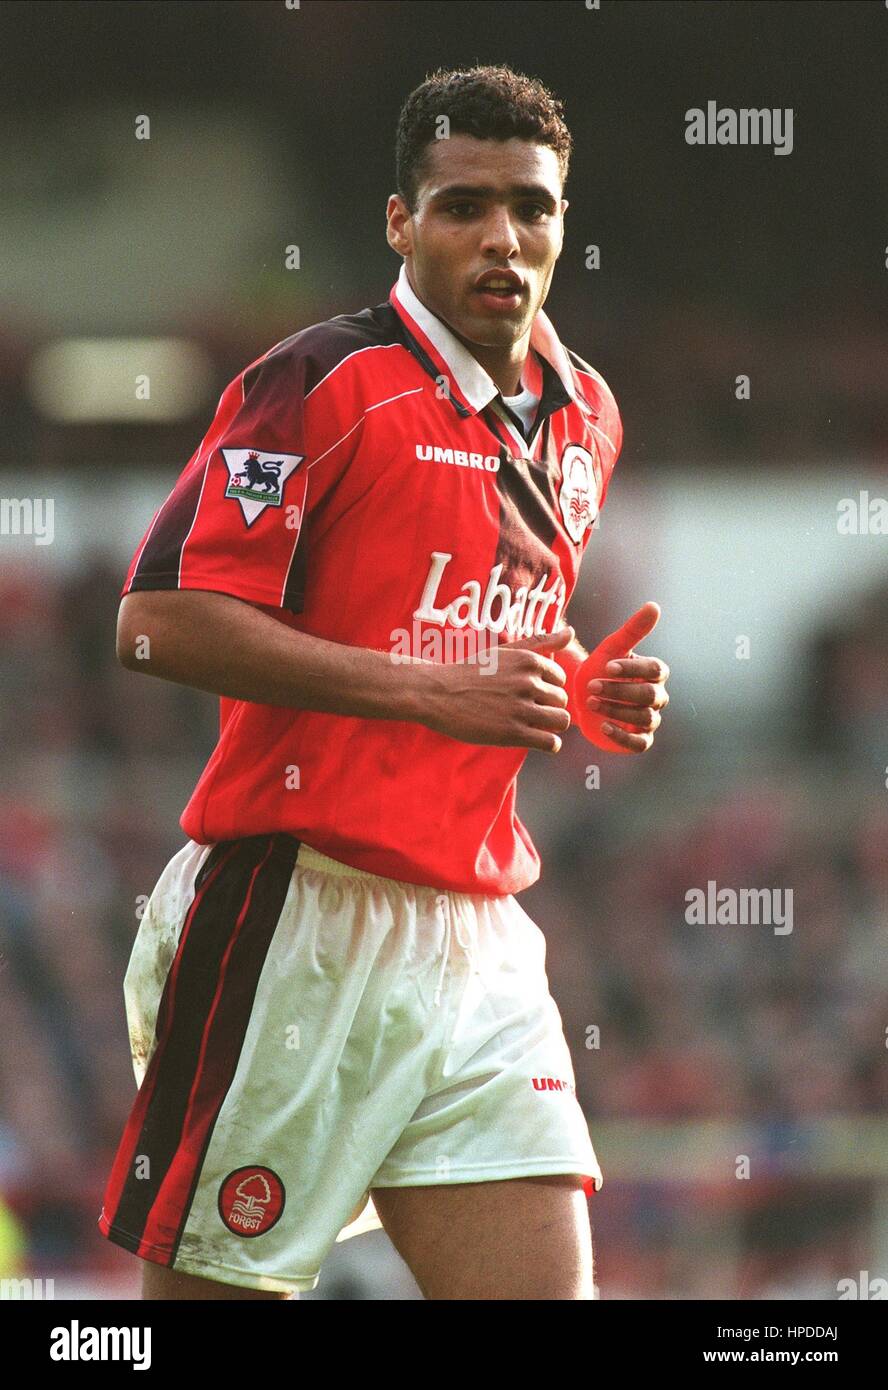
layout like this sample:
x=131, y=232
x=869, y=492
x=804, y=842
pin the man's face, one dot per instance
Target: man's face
x=482, y=205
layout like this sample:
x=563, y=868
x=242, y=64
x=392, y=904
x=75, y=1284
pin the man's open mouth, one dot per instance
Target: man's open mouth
x=495, y=294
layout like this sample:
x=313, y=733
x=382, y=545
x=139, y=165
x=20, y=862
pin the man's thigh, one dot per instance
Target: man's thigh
x=523, y=1238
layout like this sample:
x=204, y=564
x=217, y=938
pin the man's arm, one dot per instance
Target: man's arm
x=225, y=646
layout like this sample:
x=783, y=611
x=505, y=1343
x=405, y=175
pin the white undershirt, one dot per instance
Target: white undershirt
x=525, y=407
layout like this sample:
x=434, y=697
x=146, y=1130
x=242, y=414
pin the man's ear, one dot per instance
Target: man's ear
x=396, y=216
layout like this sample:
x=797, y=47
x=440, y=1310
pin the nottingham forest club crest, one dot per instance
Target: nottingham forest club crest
x=257, y=480
x=577, y=496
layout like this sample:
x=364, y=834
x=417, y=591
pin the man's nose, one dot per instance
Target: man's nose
x=499, y=233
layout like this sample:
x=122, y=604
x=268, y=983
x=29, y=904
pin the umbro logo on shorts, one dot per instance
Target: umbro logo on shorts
x=551, y=1083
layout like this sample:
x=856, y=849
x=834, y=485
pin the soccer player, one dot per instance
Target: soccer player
x=338, y=1012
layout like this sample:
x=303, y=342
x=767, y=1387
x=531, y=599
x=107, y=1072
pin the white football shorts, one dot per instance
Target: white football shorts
x=302, y=1032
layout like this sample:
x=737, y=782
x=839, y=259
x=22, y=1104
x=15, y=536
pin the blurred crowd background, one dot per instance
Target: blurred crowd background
x=693, y=1046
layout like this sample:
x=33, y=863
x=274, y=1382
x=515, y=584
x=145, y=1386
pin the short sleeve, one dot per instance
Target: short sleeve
x=234, y=518
x=609, y=438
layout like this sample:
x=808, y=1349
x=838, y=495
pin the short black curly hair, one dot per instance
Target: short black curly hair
x=491, y=103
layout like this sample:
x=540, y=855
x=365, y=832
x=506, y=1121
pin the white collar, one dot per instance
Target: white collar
x=476, y=385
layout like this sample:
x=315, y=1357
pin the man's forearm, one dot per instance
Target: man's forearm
x=220, y=644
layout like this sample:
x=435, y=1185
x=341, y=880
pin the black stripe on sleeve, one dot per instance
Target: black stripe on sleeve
x=161, y=556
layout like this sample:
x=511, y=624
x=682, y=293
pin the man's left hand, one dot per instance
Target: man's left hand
x=623, y=693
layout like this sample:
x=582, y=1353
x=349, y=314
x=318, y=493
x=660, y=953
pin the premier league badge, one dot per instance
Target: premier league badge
x=257, y=479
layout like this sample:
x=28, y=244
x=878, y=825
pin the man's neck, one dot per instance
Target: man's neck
x=504, y=368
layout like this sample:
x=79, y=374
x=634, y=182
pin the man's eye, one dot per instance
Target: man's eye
x=533, y=211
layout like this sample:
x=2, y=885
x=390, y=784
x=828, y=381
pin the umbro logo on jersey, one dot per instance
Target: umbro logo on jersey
x=577, y=493
x=427, y=453
x=257, y=479
x=551, y=1083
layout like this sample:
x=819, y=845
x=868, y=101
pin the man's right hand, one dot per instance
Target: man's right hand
x=522, y=703
x=215, y=642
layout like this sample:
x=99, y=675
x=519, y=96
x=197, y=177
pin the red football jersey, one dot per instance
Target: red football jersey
x=362, y=481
